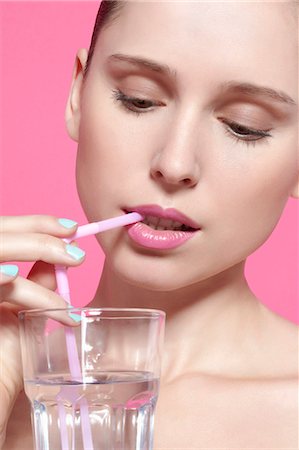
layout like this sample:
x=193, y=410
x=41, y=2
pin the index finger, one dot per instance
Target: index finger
x=38, y=223
x=29, y=295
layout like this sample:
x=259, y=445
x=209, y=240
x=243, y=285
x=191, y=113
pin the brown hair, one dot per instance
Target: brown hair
x=108, y=12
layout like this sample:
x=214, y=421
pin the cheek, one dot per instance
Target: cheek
x=99, y=166
x=254, y=195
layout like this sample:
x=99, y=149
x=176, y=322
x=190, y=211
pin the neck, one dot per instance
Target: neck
x=205, y=322
x=206, y=295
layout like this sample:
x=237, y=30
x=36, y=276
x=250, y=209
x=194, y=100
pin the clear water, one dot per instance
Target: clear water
x=117, y=406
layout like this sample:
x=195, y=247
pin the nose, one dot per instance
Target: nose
x=176, y=164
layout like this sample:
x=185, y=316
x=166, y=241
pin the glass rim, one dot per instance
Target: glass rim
x=124, y=313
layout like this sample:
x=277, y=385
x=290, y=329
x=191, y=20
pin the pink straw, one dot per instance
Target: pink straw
x=104, y=225
x=75, y=370
x=63, y=290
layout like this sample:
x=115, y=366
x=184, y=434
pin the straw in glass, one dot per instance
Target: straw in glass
x=63, y=290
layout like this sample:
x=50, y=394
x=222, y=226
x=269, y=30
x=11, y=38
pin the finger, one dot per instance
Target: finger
x=30, y=295
x=38, y=224
x=8, y=272
x=43, y=274
x=37, y=246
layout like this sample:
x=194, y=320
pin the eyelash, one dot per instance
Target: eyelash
x=126, y=102
x=256, y=135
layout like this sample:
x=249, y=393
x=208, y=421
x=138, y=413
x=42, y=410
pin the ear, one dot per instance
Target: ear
x=73, y=109
x=295, y=190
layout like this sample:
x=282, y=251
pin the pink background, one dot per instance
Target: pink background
x=39, y=41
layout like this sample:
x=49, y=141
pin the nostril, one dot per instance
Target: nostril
x=159, y=174
x=172, y=179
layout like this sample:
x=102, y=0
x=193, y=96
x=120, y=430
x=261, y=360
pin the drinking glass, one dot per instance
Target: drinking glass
x=107, y=401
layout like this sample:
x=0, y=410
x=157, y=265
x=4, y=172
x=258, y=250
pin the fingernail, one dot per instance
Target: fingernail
x=75, y=252
x=67, y=223
x=75, y=317
x=9, y=270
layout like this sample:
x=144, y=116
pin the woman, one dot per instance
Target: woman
x=205, y=131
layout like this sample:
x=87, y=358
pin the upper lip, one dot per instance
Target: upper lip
x=167, y=213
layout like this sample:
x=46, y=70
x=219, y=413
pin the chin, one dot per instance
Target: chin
x=167, y=272
x=155, y=276
x=141, y=276
x=166, y=276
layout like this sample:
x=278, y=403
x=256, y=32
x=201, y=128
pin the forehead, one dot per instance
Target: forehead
x=193, y=15
x=199, y=39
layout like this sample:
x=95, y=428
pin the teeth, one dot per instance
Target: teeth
x=165, y=224
x=158, y=223
x=177, y=225
x=152, y=221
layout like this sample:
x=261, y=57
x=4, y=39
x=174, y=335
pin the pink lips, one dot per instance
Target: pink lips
x=148, y=237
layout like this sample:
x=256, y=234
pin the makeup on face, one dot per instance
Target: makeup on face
x=197, y=107
x=258, y=103
x=121, y=66
x=144, y=86
x=161, y=229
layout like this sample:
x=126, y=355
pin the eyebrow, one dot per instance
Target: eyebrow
x=228, y=87
x=254, y=89
x=144, y=63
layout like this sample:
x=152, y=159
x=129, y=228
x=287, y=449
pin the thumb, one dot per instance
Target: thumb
x=43, y=274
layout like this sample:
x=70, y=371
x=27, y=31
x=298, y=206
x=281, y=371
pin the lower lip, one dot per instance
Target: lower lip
x=158, y=239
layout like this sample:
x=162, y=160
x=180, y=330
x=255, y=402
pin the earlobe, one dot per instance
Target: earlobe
x=73, y=107
x=295, y=191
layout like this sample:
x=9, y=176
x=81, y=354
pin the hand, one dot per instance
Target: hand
x=28, y=238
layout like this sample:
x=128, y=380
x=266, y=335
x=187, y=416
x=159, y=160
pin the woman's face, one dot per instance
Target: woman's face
x=217, y=141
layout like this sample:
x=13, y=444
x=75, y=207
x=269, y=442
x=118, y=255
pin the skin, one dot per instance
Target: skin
x=225, y=355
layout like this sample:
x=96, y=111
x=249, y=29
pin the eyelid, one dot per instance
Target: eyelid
x=131, y=98
x=254, y=116
x=261, y=135
x=251, y=138
x=118, y=95
x=256, y=131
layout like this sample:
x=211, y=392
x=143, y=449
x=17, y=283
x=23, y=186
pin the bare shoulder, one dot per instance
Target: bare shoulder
x=283, y=326
x=280, y=345
x=209, y=412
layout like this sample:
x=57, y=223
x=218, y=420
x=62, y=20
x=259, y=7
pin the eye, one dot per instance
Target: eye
x=134, y=104
x=242, y=133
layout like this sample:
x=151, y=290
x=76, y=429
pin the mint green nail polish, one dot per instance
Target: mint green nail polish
x=75, y=252
x=75, y=317
x=9, y=269
x=67, y=223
